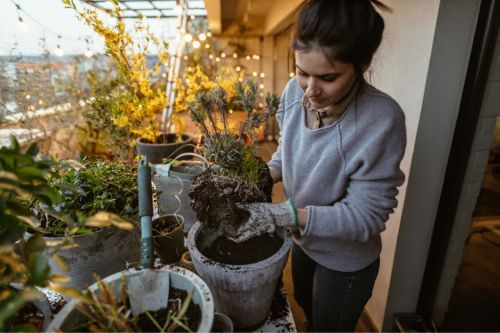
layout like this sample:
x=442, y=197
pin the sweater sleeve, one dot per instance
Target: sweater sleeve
x=276, y=160
x=373, y=175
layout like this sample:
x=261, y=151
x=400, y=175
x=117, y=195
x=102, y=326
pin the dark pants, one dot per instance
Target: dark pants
x=332, y=300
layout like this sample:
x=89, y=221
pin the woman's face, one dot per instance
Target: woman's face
x=323, y=82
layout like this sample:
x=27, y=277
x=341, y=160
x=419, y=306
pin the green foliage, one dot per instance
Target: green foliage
x=108, y=312
x=88, y=188
x=233, y=151
x=22, y=175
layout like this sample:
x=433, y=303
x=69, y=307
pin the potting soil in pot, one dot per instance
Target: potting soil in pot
x=248, y=252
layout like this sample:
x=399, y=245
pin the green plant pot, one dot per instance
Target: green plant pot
x=156, y=152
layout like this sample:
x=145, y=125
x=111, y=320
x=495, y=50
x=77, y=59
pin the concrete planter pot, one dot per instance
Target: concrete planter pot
x=243, y=292
x=69, y=318
x=103, y=252
x=169, y=245
x=155, y=152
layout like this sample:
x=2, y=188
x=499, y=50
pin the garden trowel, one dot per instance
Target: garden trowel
x=148, y=288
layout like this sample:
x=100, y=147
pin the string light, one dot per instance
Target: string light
x=28, y=96
x=238, y=68
x=217, y=59
x=247, y=57
x=210, y=57
x=262, y=75
x=209, y=34
x=254, y=74
x=235, y=55
x=261, y=86
x=292, y=74
x=202, y=37
x=196, y=44
x=188, y=38
x=207, y=46
x=58, y=50
x=222, y=55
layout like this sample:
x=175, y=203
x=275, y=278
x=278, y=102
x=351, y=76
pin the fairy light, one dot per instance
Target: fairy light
x=28, y=96
x=58, y=51
x=261, y=105
x=255, y=57
x=235, y=55
x=292, y=74
x=207, y=46
x=187, y=81
x=192, y=17
x=261, y=86
x=185, y=57
x=211, y=56
x=222, y=55
x=188, y=38
x=217, y=59
x=240, y=79
x=196, y=44
x=164, y=75
x=247, y=57
x=202, y=37
x=254, y=74
x=238, y=68
x=209, y=34
x=262, y=75
x=40, y=102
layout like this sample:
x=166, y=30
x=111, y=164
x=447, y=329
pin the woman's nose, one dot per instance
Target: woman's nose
x=312, y=90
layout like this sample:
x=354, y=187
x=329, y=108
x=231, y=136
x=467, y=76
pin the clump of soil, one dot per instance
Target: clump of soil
x=192, y=317
x=30, y=315
x=248, y=252
x=215, y=196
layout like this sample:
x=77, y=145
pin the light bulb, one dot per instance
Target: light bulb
x=235, y=55
x=28, y=96
x=247, y=57
x=261, y=86
x=188, y=38
x=209, y=34
x=210, y=56
x=254, y=73
x=22, y=24
x=217, y=59
x=238, y=68
x=196, y=44
x=202, y=37
x=222, y=55
x=207, y=46
x=292, y=74
x=262, y=75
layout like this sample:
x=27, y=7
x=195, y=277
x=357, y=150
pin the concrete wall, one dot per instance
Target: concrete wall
x=489, y=119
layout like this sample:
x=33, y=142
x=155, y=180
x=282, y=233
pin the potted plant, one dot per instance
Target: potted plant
x=104, y=190
x=243, y=276
x=106, y=306
x=168, y=237
x=136, y=98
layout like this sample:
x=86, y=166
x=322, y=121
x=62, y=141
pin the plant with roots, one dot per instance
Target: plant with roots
x=233, y=151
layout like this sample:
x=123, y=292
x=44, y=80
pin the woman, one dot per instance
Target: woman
x=338, y=156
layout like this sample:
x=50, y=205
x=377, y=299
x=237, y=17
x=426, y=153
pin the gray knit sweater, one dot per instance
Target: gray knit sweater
x=346, y=174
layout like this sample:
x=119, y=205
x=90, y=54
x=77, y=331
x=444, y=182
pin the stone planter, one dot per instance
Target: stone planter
x=156, y=152
x=243, y=292
x=169, y=246
x=69, y=317
x=103, y=252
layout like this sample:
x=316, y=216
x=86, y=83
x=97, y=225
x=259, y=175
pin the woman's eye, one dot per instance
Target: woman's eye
x=329, y=78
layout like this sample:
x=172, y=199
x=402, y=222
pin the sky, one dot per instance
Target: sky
x=55, y=20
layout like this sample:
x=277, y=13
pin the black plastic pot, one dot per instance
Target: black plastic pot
x=156, y=152
x=169, y=245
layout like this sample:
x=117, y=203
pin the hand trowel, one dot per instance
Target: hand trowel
x=148, y=288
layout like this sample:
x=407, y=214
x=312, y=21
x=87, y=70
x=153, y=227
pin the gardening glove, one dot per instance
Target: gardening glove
x=263, y=217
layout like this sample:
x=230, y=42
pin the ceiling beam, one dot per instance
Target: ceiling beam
x=214, y=15
x=280, y=15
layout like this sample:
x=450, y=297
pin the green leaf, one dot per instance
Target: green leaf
x=33, y=150
x=39, y=270
x=14, y=144
x=31, y=173
x=25, y=328
x=34, y=244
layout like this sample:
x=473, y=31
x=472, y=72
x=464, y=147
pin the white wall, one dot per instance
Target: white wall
x=431, y=100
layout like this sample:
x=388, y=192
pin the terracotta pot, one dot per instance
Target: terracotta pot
x=156, y=152
x=169, y=245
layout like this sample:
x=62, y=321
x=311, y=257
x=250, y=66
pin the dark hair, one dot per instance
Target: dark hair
x=344, y=30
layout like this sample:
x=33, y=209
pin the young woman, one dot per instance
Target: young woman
x=338, y=156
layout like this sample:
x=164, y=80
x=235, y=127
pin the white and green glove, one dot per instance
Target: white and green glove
x=264, y=218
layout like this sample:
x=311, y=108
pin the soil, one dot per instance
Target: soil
x=192, y=316
x=164, y=225
x=30, y=315
x=250, y=251
x=169, y=138
x=214, y=196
